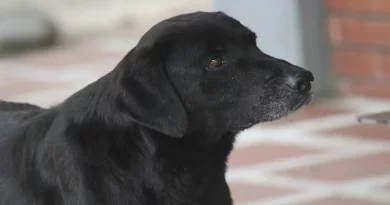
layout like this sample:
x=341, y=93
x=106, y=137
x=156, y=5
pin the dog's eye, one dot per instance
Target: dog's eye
x=216, y=63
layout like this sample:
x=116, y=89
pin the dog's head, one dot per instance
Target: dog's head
x=204, y=71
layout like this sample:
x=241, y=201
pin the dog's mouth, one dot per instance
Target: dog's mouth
x=299, y=103
x=283, y=111
x=302, y=103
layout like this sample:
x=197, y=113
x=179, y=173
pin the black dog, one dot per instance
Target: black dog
x=157, y=129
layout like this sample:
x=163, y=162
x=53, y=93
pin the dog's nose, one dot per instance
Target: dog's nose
x=300, y=82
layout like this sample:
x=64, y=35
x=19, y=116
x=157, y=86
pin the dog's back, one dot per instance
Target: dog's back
x=14, y=114
x=14, y=106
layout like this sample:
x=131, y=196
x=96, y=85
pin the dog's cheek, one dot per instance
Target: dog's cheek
x=214, y=88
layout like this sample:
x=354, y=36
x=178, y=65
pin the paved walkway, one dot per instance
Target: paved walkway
x=319, y=156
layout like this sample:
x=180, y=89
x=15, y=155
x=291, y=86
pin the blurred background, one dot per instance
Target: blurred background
x=319, y=156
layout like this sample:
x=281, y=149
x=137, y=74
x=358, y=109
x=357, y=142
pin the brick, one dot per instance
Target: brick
x=334, y=30
x=374, y=89
x=345, y=169
x=357, y=64
x=363, y=32
x=379, y=132
x=340, y=201
x=367, y=6
x=263, y=153
x=244, y=193
x=386, y=66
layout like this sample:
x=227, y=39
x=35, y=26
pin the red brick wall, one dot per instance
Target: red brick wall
x=359, y=31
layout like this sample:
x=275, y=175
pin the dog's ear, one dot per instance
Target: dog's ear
x=149, y=95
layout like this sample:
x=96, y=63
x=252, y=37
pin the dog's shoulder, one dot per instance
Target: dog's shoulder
x=22, y=129
x=13, y=120
x=20, y=132
x=13, y=115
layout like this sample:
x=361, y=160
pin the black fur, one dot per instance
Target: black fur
x=157, y=129
x=14, y=106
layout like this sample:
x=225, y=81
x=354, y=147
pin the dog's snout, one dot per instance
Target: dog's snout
x=300, y=82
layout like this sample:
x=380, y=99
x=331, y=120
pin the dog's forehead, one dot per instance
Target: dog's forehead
x=198, y=23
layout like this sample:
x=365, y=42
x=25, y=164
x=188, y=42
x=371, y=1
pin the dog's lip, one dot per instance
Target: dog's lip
x=306, y=100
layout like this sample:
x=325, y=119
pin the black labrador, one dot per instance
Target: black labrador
x=158, y=128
